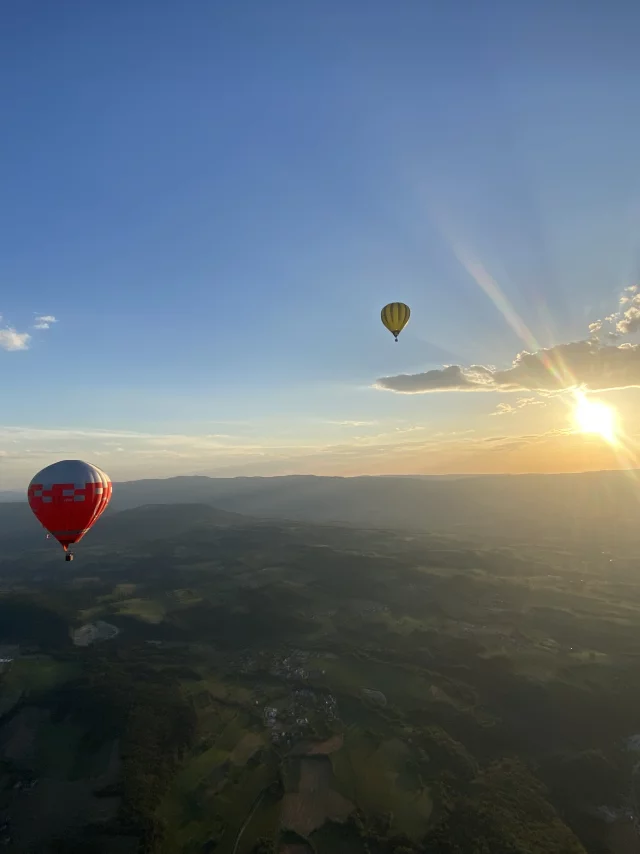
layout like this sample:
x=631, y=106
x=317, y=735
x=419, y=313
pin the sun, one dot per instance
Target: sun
x=593, y=416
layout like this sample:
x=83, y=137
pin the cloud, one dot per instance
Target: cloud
x=449, y=378
x=44, y=321
x=129, y=455
x=353, y=423
x=114, y=438
x=521, y=402
x=504, y=409
x=630, y=321
x=626, y=321
x=11, y=339
x=587, y=364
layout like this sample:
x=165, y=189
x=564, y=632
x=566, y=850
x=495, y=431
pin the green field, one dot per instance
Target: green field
x=380, y=778
x=149, y=610
x=39, y=673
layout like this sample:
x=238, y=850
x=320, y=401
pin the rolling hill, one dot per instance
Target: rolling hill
x=596, y=508
x=593, y=506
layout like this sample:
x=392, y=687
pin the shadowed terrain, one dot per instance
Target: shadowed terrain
x=202, y=680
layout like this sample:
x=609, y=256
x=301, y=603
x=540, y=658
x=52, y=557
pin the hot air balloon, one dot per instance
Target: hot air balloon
x=395, y=317
x=67, y=497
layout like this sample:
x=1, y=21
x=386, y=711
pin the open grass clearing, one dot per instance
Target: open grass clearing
x=316, y=799
x=379, y=778
x=148, y=610
x=38, y=673
x=349, y=673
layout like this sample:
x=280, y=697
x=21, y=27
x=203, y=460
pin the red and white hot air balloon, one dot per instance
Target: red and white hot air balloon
x=67, y=498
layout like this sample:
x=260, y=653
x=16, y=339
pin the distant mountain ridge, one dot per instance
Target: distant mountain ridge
x=590, y=506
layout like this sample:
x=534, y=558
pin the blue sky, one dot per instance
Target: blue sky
x=214, y=200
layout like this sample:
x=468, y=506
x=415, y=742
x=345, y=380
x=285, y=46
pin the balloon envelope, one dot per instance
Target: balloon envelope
x=395, y=317
x=68, y=497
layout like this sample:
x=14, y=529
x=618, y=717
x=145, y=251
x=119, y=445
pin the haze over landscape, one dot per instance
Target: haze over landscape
x=348, y=596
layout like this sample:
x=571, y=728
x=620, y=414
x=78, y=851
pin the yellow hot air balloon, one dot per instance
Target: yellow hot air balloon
x=395, y=317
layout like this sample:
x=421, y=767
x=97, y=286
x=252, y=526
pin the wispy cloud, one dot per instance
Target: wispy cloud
x=44, y=321
x=521, y=403
x=353, y=423
x=504, y=409
x=110, y=437
x=129, y=455
x=12, y=340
